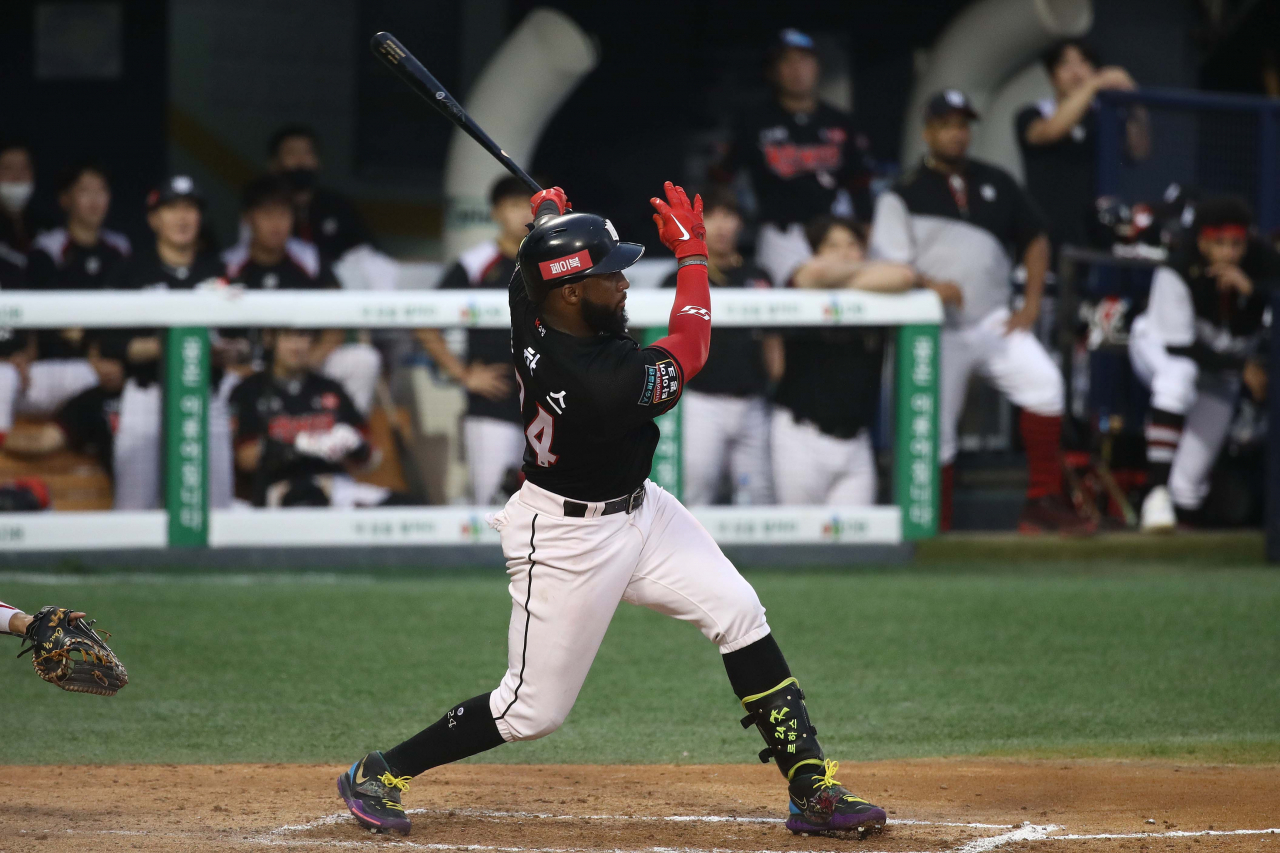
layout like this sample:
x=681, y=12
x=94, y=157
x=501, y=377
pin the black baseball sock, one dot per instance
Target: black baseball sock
x=756, y=668
x=467, y=729
x=1164, y=431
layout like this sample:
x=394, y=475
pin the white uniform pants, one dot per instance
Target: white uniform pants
x=493, y=446
x=357, y=368
x=139, y=447
x=50, y=383
x=1207, y=402
x=724, y=434
x=1016, y=364
x=568, y=576
x=811, y=467
x=780, y=253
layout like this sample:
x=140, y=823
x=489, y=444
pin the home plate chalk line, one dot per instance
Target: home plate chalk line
x=1011, y=834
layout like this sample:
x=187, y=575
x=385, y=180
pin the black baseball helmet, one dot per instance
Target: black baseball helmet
x=561, y=249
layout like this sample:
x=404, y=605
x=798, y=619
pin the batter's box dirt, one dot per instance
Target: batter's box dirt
x=946, y=806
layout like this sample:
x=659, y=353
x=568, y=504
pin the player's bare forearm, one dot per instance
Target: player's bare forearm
x=1070, y=111
x=18, y=623
x=248, y=455
x=884, y=277
x=1138, y=134
x=1036, y=261
x=433, y=342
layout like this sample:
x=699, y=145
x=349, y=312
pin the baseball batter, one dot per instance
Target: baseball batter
x=588, y=530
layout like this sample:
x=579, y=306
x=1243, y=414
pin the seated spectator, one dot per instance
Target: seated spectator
x=81, y=255
x=270, y=259
x=724, y=426
x=830, y=386
x=805, y=157
x=1198, y=342
x=298, y=436
x=36, y=387
x=1058, y=139
x=86, y=423
x=492, y=434
x=322, y=216
x=20, y=219
x=171, y=261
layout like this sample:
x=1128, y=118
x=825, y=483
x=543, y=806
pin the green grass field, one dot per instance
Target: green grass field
x=1079, y=659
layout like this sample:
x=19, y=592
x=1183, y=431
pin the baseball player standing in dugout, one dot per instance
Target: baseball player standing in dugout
x=588, y=530
x=962, y=224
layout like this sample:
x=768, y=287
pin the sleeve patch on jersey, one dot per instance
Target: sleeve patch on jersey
x=568, y=265
x=661, y=383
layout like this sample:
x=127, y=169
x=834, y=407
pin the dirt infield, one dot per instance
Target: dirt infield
x=947, y=806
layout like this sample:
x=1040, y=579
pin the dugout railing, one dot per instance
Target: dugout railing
x=187, y=522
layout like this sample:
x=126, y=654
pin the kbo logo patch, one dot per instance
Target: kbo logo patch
x=567, y=265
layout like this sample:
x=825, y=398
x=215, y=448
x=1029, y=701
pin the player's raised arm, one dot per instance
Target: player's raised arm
x=681, y=230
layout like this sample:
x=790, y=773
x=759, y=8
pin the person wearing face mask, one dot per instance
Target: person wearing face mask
x=20, y=220
x=321, y=215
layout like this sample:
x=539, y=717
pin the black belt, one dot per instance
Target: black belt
x=627, y=504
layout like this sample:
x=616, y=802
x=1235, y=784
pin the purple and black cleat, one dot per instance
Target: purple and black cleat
x=372, y=794
x=822, y=806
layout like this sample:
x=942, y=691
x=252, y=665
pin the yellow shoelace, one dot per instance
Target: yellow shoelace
x=400, y=782
x=828, y=777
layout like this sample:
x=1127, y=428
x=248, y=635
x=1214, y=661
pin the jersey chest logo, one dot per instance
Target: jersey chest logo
x=661, y=383
x=531, y=358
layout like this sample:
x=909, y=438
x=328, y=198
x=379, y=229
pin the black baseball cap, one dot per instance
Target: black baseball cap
x=790, y=39
x=949, y=101
x=177, y=187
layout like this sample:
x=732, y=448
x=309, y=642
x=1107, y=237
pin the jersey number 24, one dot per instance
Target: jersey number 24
x=540, y=432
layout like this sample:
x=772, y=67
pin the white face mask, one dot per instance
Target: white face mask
x=14, y=195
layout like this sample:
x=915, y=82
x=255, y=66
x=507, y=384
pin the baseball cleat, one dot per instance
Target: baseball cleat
x=372, y=794
x=1054, y=514
x=1158, y=515
x=822, y=806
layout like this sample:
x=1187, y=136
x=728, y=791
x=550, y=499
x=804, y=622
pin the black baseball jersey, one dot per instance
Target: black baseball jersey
x=1061, y=176
x=265, y=407
x=57, y=262
x=13, y=268
x=145, y=271
x=832, y=378
x=332, y=223
x=801, y=165
x=1227, y=327
x=969, y=227
x=89, y=421
x=736, y=363
x=587, y=404
x=484, y=266
x=300, y=268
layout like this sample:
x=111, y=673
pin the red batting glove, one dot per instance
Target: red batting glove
x=556, y=196
x=679, y=223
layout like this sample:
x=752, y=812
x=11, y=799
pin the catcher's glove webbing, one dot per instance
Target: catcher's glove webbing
x=72, y=656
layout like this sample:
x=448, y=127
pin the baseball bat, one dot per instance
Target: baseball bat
x=407, y=67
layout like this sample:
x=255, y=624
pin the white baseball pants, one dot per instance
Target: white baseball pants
x=50, y=383
x=811, y=467
x=1016, y=364
x=568, y=576
x=356, y=367
x=724, y=434
x=780, y=253
x=1208, y=403
x=139, y=447
x=492, y=446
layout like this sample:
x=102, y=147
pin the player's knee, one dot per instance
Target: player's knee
x=1173, y=387
x=1046, y=392
x=741, y=619
x=534, y=723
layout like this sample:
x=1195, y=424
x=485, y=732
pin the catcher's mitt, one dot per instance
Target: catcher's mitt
x=72, y=655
